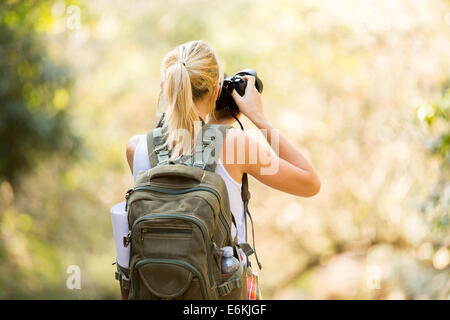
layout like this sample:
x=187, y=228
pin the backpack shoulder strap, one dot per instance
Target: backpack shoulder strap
x=157, y=151
x=208, y=146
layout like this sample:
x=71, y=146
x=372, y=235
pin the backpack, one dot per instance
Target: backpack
x=179, y=217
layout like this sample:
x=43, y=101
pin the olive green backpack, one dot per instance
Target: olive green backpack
x=179, y=217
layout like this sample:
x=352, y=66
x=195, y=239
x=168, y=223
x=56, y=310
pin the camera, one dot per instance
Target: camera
x=225, y=102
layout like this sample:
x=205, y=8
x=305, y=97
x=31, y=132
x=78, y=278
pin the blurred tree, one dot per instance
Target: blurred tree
x=436, y=116
x=34, y=95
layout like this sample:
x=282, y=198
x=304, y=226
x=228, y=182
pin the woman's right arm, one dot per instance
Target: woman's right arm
x=289, y=171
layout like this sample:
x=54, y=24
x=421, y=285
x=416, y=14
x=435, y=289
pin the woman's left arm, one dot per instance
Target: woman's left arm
x=131, y=147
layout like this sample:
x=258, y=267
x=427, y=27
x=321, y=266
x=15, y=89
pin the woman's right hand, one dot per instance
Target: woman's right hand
x=285, y=168
x=250, y=104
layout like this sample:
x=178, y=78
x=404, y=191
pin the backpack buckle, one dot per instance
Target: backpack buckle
x=123, y=279
x=224, y=289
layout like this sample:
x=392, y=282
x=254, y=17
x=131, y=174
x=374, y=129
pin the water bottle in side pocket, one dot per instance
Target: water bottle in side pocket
x=229, y=263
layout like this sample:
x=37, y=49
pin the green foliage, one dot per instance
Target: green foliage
x=35, y=100
x=436, y=116
x=34, y=95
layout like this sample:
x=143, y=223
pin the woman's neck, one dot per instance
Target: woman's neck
x=201, y=107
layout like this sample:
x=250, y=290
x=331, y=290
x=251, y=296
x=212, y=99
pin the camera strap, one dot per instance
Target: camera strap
x=245, y=194
x=236, y=118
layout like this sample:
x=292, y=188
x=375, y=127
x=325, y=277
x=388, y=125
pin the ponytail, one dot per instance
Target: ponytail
x=181, y=114
x=189, y=73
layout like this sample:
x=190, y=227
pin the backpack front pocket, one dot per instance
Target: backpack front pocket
x=174, y=236
x=168, y=279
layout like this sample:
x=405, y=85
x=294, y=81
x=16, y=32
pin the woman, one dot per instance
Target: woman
x=190, y=85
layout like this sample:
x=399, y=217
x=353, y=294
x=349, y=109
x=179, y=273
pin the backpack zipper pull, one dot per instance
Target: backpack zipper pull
x=127, y=239
x=143, y=232
x=216, y=251
x=127, y=195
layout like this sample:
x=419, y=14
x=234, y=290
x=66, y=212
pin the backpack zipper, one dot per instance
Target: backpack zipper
x=192, y=219
x=158, y=230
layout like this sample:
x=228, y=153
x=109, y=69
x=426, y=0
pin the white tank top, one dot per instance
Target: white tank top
x=141, y=162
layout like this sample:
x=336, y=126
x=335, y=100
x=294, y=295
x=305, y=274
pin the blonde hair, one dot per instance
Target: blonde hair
x=189, y=73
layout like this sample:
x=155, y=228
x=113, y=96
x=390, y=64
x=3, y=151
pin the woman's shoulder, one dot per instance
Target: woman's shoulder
x=238, y=139
x=132, y=143
x=235, y=134
x=131, y=148
x=236, y=148
x=243, y=150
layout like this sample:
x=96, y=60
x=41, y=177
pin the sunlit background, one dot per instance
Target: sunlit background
x=361, y=87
